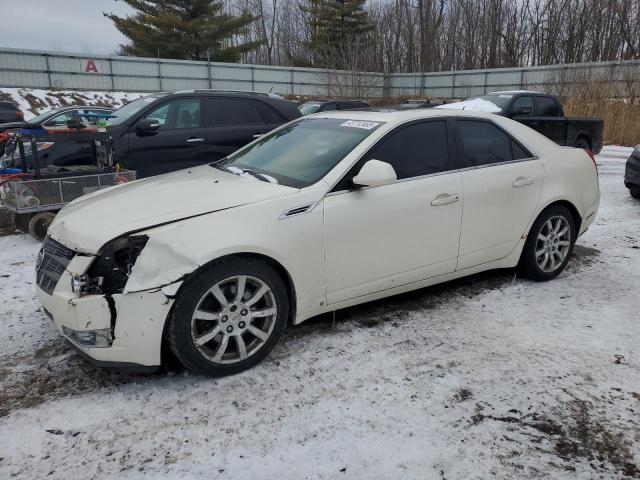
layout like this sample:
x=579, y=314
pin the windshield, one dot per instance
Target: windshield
x=309, y=108
x=131, y=108
x=302, y=153
x=43, y=116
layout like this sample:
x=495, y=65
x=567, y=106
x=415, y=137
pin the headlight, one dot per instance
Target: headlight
x=110, y=272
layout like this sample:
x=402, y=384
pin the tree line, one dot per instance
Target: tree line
x=385, y=35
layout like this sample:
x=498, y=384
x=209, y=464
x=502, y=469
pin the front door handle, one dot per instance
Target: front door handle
x=444, y=199
x=522, y=182
x=195, y=140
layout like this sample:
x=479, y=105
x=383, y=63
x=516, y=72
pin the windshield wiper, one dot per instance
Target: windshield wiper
x=255, y=174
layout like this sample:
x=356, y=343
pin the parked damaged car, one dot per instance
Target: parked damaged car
x=632, y=173
x=325, y=212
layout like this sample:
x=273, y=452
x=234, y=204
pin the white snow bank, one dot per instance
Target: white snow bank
x=34, y=101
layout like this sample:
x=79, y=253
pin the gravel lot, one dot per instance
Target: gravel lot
x=491, y=376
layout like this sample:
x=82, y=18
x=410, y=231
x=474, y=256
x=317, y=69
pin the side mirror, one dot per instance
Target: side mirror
x=375, y=173
x=147, y=125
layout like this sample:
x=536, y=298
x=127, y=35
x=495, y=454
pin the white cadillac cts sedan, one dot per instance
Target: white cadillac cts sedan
x=325, y=212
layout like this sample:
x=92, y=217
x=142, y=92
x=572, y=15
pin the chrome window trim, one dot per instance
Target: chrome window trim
x=528, y=159
x=458, y=170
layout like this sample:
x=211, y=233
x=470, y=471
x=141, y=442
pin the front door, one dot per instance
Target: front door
x=179, y=143
x=377, y=238
x=501, y=182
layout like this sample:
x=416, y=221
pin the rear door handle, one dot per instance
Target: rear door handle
x=522, y=182
x=195, y=140
x=444, y=199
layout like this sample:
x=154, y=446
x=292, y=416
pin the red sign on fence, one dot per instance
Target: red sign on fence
x=91, y=67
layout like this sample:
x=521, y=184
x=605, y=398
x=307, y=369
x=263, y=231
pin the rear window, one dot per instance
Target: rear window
x=546, y=107
x=8, y=106
x=231, y=111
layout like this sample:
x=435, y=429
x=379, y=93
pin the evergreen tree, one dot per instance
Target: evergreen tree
x=182, y=29
x=336, y=25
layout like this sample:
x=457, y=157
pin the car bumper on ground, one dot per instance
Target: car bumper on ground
x=119, y=331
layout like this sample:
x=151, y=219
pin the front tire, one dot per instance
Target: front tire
x=634, y=190
x=228, y=318
x=549, y=244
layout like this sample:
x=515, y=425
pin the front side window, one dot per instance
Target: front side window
x=63, y=118
x=176, y=114
x=484, y=144
x=302, y=153
x=522, y=106
x=308, y=108
x=127, y=111
x=416, y=150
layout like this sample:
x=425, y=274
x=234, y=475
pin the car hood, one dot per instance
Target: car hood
x=89, y=222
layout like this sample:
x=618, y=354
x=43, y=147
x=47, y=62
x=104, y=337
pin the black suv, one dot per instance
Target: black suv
x=164, y=132
x=170, y=131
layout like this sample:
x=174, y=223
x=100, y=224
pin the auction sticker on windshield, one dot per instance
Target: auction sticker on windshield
x=360, y=124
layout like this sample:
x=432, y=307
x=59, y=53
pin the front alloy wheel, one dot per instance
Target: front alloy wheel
x=233, y=319
x=228, y=317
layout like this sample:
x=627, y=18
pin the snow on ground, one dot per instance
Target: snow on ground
x=34, y=101
x=487, y=377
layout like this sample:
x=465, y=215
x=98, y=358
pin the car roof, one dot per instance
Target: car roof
x=399, y=116
x=515, y=92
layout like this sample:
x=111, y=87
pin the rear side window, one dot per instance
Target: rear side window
x=231, y=111
x=546, y=107
x=267, y=113
x=328, y=107
x=419, y=149
x=484, y=144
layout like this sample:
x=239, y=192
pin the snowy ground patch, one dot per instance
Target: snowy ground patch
x=34, y=101
x=486, y=377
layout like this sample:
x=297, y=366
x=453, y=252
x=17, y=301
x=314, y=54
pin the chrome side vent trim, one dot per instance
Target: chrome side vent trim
x=297, y=210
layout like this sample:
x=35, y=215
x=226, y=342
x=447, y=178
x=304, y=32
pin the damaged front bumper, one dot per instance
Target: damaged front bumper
x=119, y=330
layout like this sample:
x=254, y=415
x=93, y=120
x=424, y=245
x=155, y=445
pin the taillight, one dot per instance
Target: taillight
x=593, y=158
x=19, y=115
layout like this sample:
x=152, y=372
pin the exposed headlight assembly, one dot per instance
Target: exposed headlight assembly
x=109, y=273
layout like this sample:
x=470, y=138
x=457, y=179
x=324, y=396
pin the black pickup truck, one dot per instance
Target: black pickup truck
x=541, y=112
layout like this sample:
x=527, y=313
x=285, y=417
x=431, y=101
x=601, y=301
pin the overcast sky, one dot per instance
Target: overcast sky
x=62, y=25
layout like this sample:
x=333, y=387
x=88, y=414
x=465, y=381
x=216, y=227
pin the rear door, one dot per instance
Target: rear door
x=551, y=122
x=234, y=122
x=501, y=183
x=178, y=143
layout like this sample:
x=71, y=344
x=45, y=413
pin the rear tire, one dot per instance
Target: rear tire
x=39, y=224
x=582, y=142
x=549, y=244
x=21, y=221
x=214, y=330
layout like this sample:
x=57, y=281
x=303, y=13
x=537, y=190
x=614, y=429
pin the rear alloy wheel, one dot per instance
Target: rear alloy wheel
x=228, y=318
x=549, y=244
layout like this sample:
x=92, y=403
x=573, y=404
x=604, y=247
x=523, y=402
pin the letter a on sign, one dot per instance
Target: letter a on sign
x=91, y=67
